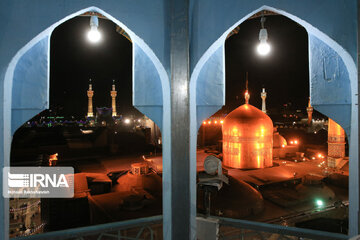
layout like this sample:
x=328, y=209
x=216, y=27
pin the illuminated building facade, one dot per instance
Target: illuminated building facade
x=90, y=94
x=336, y=143
x=113, y=94
x=247, y=138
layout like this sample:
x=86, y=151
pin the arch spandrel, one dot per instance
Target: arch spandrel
x=147, y=88
x=30, y=89
x=330, y=88
x=210, y=93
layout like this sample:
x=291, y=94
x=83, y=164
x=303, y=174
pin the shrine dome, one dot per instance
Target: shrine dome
x=247, y=138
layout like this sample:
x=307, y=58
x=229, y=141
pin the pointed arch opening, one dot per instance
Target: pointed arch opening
x=28, y=85
x=323, y=58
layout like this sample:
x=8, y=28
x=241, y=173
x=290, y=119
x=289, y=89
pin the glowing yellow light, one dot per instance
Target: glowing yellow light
x=215, y=122
x=319, y=155
x=204, y=122
x=209, y=122
x=291, y=142
x=234, y=132
x=262, y=131
x=222, y=121
x=283, y=145
x=296, y=142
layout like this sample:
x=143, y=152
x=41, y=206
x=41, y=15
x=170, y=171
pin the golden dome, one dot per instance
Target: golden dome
x=247, y=138
x=279, y=141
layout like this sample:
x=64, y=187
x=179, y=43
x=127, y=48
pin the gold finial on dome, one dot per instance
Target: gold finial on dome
x=247, y=94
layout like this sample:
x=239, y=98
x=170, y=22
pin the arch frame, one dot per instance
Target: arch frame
x=8, y=86
x=195, y=121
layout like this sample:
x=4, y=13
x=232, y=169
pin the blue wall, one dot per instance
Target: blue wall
x=30, y=85
x=27, y=25
x=329, y=74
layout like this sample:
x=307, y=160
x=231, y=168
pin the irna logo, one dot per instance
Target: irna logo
x=37, y=180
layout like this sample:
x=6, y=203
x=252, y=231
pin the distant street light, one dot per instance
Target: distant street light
x=319, y=203
x=263, y=48
x=94, y=35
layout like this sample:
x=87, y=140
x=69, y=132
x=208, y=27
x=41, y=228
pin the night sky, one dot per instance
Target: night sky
x=284, y=73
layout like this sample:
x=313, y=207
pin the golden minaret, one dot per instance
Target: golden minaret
x=113, y=94
x=309, y=110
x=90, y=94
x=336, y=144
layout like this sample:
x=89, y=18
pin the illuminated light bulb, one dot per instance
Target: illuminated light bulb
x=296, y=142
x=263, y=48
x=222, y=122
x=291, y=142
x=283, y=145
x=127, y=121
x=94, y=35
x=319, y=155
x=209, y=122
x=215, y=122
x=204, y=122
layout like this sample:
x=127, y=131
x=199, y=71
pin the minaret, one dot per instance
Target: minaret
x=90, y=94
x=263, y=97
x=113, y=94
x=336, y=143
x=309, y=110
x=247, y=95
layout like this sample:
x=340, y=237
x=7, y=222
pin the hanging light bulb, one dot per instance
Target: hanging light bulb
x=94, y=35
x=263, y=48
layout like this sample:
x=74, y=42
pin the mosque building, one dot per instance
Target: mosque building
x=247, y=137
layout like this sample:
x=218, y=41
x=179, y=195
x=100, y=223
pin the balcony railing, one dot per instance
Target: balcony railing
x=137, y=229
x=247, y=230
x=217, y=229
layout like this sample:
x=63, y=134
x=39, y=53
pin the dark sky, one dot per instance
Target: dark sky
x=284, y=73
